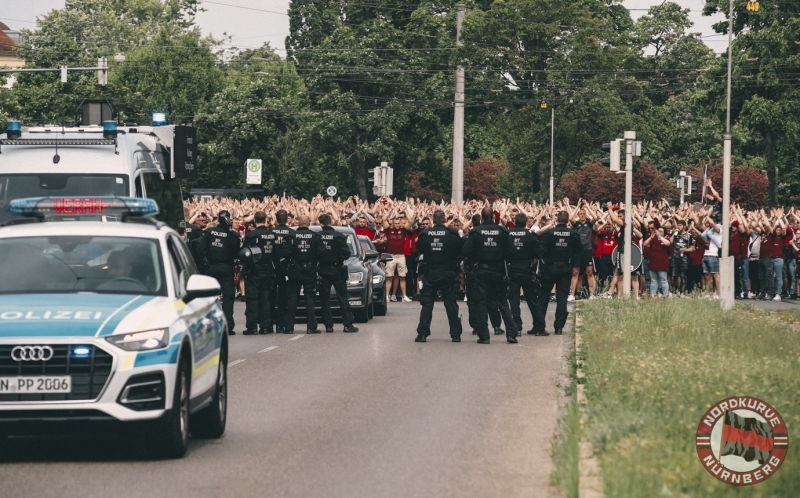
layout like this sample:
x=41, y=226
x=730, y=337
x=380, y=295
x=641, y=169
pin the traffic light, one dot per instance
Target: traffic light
x=752, y=6
x=691, y=185
x=614, y=148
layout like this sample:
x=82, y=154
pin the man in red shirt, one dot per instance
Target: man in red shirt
x=362, y=228
x=396, y=269
x=606, y=243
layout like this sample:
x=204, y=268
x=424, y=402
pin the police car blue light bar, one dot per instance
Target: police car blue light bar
x=159, y=119
x=81, y=206
x=13, y=129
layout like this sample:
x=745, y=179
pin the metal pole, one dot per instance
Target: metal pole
x=458, y=121
x=47, y=70
x=552, y=142
x=630, y=136
x=727, y=274
x=244, y=181
x=683, y=189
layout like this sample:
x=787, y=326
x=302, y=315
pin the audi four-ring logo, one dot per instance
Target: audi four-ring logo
x=32, y=353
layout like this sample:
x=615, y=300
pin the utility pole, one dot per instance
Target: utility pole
x=726, y=267
x=682, y=186
x=630, y=136
x=458, y=122
x=552, y=143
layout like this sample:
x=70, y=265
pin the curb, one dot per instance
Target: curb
x=590, y=482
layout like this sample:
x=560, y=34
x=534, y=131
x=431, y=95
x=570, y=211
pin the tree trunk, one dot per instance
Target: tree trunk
x=361, y=176
x=772, y=170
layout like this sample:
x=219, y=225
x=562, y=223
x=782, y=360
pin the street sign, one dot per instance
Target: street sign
x=254, y=171
x=184, y=152
x=331, y=191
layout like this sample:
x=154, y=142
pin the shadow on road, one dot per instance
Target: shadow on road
x=25, y=449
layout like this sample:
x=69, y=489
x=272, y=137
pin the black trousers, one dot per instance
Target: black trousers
x=279, y=299
x=489, y=290
x=531, y=289
x=224, y=274
x=258, y=310
x=308, y=282
x=562, y=280
x=695, y=276
x=755, y=280
x=336, y=278
x=446, y=282
x=411, y=277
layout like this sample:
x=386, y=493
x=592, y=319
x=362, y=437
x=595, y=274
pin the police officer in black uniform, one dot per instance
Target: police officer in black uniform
x=333, y=272
x=219, y=247
x=441, y=248
x=523, y=247
x=259, y=277
x=194, y=232
x=494, y=313
x=561, y=250
x=283, y=241
x=305, y=250
x=485, y=251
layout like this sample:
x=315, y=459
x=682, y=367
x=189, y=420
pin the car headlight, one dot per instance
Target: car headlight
x=355, y=278
x=376, y=279
x=141, y=341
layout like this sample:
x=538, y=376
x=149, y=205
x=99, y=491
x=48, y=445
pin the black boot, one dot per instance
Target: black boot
x=250, y=332
x=420, y=338
x=499, y=331
x=351, y=329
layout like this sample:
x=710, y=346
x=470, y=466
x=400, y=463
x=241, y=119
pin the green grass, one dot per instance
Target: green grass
x=566, y=450
x=653, y=368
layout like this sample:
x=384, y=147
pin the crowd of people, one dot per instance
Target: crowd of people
x=675, y=249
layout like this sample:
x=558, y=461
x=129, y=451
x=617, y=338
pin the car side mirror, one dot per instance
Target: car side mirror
x=201, y=286
x=370, y=254
x=385, y=258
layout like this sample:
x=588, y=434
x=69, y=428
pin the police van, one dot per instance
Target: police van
x=107, y=325
x=95, y=160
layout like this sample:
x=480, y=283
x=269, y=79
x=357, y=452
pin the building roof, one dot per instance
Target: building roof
x=3, y=27
x=7, y=47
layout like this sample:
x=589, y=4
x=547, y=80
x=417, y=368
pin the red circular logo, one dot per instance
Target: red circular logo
x=742, y=440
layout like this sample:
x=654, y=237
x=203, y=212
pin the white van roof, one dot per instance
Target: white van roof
x=83, y=159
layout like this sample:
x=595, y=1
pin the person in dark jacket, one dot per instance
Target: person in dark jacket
x=304, y=256
x=333, y=273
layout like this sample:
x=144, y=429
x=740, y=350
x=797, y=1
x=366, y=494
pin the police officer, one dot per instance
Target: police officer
x=523, y=247
x=194, y=232
x=561, y=250
x=485, y=251
x=304, y=255
x=283, y=242
x=218, y=248
x=440, y=247
x=259, y=277
x=494, y=313
x=333, y=272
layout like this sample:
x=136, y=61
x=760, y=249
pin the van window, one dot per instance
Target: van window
x=167, y=194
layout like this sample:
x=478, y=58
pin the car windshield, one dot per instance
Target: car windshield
x=351, y=244
x=68, y=264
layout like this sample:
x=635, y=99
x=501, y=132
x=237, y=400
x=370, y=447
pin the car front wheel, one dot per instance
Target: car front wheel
x=173, y=439
x=210, y=421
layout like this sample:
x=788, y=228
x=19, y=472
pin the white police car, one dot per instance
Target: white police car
x=107, y=325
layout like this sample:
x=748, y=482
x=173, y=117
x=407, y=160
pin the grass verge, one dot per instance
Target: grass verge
x=653, y=367
x=565, y=451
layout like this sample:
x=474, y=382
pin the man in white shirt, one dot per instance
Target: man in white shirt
x=712, y=236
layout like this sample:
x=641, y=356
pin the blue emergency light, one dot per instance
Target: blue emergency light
x=83, y=206
x=159, y=119
x=13, y=129
x=109, y=130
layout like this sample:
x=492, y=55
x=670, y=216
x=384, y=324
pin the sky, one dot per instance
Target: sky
x=250, y=26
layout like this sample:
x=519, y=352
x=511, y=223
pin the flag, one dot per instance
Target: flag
x=748, y=438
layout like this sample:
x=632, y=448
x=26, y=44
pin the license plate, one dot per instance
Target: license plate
x=355, y=303
x=36, y=385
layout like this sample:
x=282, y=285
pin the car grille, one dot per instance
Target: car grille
x=89, y=373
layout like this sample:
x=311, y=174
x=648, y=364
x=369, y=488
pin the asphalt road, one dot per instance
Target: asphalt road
x=371, y=414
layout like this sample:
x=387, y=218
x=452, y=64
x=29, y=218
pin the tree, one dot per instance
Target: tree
x=480, y=178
